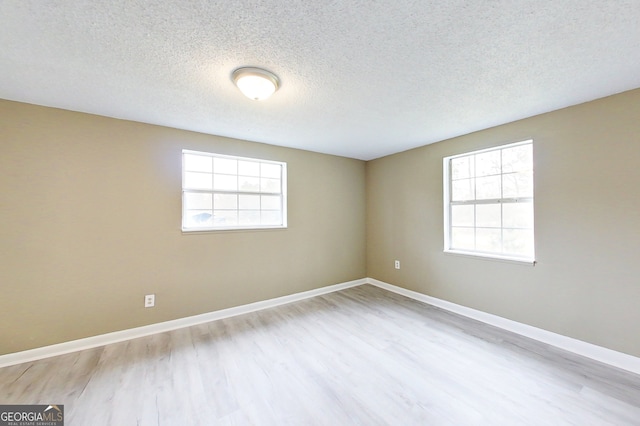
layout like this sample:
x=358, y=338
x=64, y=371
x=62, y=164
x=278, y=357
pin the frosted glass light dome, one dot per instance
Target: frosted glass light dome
x=255, y=83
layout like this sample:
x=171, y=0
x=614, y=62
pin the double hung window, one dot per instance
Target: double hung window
x=221, y=192
x=488, y=200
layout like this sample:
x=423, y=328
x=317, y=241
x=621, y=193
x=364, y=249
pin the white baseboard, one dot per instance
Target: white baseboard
x=133, y=333
x=589, y=350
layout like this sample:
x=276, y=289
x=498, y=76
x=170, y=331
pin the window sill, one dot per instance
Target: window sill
x=235, y=229
x=482, y=256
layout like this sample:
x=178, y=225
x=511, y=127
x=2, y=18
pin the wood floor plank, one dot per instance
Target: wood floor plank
x=361, y=356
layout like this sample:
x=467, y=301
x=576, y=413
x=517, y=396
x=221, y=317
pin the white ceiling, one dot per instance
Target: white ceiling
x=360, y=78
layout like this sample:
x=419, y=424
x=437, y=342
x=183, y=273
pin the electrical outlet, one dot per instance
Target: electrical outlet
x=149, y=300
x=397, y=264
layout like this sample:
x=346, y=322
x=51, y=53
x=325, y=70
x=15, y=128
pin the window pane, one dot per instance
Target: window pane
x=225, y=166
x=193, y=180
x=488, y=215
x=198, y=218
x=249, y=168
x=462, y=168
x=517, y=159
x=269, y=185
x=519, y=242
x=225, y=201
x=517, y=215
x=198, y=163
x=270, y=170
x=462, y=215
x=225, y=217
x=249, y=184
x=488, y=188
x=249, y=202
x=517, y=185
x=195, y=200
x=271, y=217
x=270, y=202
x=225, y=182
x=489, y=240
x=249, y=217
x=462, y=238
x=488, y=163
x=462, y=190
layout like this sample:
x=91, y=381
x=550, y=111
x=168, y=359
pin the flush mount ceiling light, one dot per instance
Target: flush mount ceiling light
x=255, y=83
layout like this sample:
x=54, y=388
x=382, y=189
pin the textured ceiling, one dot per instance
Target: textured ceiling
x=359, y=78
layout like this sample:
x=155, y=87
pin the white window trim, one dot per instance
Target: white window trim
x=446, y=161
x=283, y=194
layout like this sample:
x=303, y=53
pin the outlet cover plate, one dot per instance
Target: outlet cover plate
x=149, y=300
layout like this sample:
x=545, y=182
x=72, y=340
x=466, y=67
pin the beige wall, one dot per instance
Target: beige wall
x=90, y=222
x=587, y=217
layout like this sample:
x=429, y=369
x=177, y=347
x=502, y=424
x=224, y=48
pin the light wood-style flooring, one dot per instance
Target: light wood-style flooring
x=361, y=356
